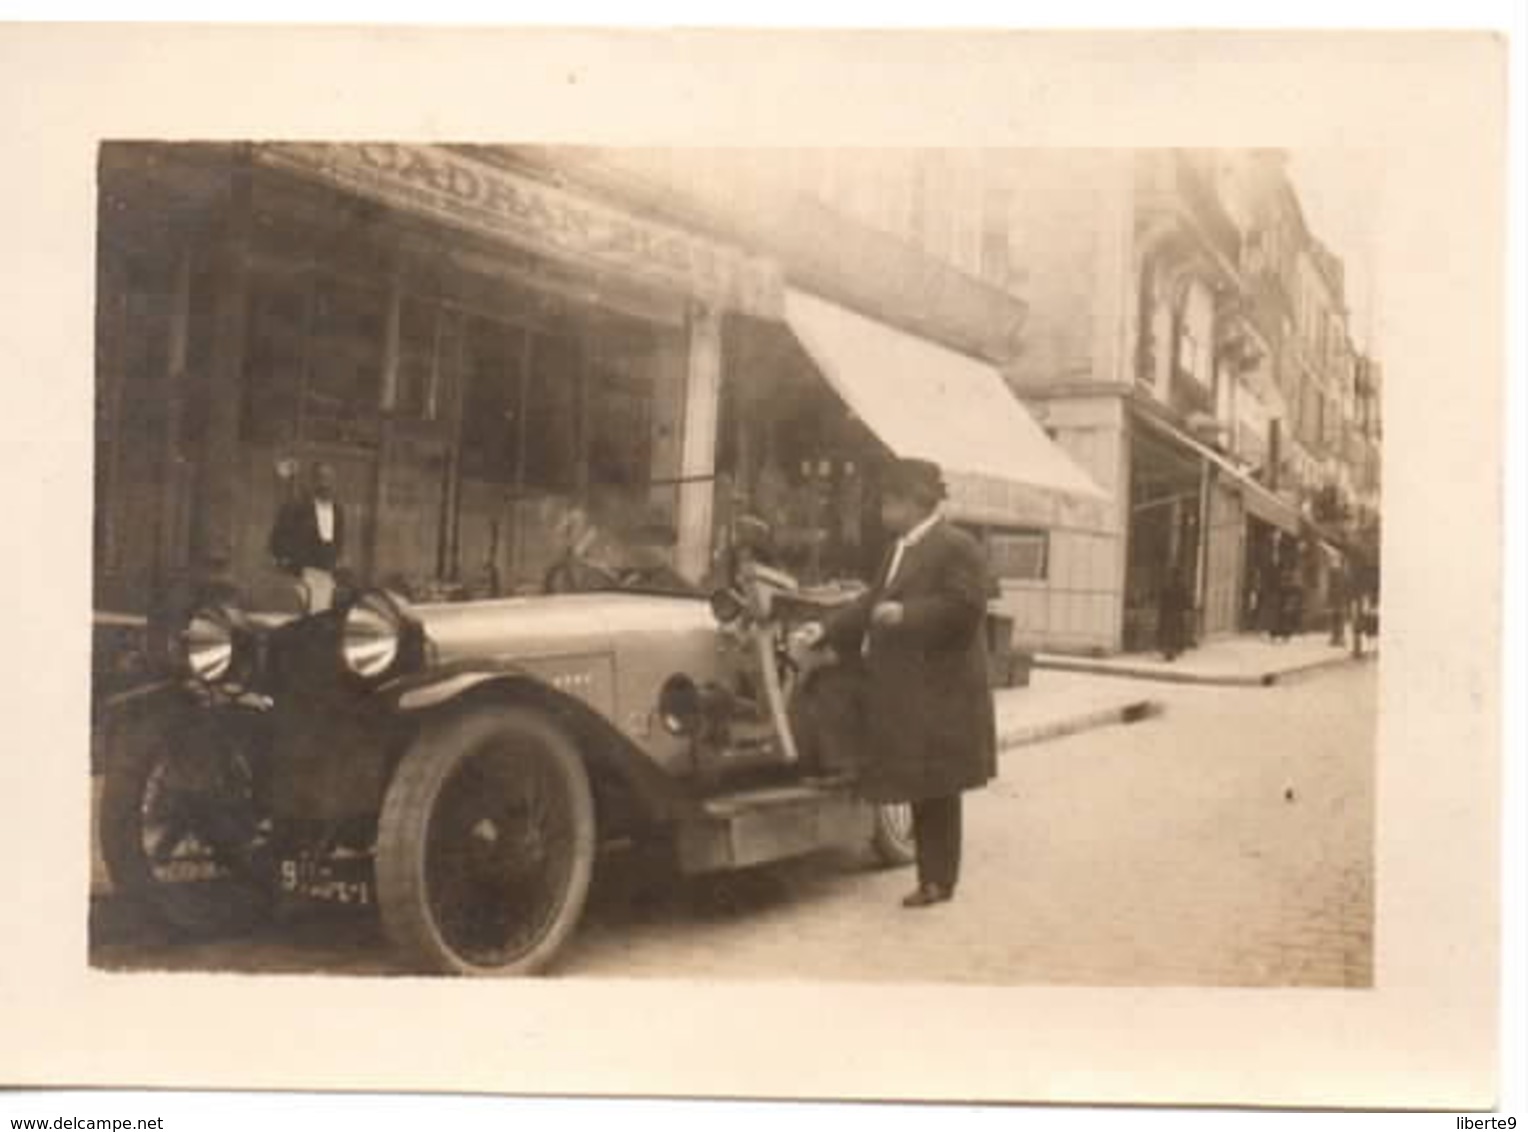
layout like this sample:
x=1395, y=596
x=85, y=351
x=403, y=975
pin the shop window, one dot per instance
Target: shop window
x=1018, y=555
x=1188, y=354
x=132, y=362
x=491, y=365
x=552, y=397
x=1189, y=388
x=620, y=425
x=342, y=396
x=416, y=392
x=276, y=332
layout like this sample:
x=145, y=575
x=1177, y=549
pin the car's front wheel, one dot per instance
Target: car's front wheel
x=485, y=846
x=181, y=831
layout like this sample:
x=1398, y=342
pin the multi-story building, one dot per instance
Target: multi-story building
x=1184, y=321
x=465, y=345
x=479, y=338
x=1157, y=308
x=910, y=247
x=1365, y=439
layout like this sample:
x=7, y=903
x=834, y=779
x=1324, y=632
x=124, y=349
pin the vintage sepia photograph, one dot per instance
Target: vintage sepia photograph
x=844, y=564
x=936, y=566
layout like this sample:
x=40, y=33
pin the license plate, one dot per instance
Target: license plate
x=334, y=882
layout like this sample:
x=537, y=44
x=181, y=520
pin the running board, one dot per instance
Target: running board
x=753, y=827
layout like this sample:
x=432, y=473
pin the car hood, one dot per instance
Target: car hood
x=556, y=624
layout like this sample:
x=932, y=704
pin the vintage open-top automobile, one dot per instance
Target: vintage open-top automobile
x=460, y=765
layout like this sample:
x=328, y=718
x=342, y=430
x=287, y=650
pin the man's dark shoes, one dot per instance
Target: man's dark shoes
x=926, y=894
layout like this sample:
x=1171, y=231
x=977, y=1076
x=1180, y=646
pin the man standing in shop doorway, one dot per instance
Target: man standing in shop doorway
x=929, y=726
x=309, y=537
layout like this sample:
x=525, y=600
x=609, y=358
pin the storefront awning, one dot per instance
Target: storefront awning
x=927, y=402
x=1259, y=501
x=1335, y=541
x=1265, y=505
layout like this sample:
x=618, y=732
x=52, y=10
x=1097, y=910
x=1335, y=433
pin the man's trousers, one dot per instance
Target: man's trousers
x=936, y=830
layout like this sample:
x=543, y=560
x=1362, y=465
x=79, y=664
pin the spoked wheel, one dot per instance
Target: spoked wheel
x=891, y=835
x=486, y=845
x=182, y=832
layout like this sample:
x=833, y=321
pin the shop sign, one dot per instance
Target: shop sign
x=470, y=194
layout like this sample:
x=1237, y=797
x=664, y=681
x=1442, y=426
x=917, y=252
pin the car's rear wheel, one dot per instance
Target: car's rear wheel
x=181, y=831
x=891, y=836
x=485, y=845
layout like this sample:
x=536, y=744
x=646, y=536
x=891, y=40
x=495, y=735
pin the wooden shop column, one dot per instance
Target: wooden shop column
x=697, y=461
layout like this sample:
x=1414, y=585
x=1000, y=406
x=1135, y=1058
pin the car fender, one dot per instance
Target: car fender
x=608, y=752
x=116, y=718
x=440, y=691
x=445, y=683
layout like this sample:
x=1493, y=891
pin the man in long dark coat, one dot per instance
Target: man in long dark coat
x=929, y=726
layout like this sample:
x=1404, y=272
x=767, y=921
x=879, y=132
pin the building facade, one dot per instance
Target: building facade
x=483, y=340
x=1187, y=341
x=472, y=349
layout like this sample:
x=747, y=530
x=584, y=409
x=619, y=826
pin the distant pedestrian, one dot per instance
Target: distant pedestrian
x=1290, y=602
x=1268, y=601
x=929, y=725
x=1172, y=613
x=1341, y=594
x=308, y=539
x=1365, y=606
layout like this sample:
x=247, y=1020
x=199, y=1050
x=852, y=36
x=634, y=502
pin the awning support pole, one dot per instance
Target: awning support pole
x=1202, y=582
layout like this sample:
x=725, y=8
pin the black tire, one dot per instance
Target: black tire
x=891, y=836
x=474, y=877
x=200, y=882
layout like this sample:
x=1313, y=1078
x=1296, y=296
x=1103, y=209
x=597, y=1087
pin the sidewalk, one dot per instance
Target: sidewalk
x=1064, y=703
x=1245, y=660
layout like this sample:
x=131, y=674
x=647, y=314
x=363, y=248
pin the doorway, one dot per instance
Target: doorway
x=1164, y=534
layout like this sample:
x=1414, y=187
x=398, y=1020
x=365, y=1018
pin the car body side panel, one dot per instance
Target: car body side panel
x=644, y=660
x=611, y=650
x=424, y=696
x=556, y=624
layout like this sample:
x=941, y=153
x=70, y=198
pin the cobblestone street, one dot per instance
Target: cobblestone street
x=1228, y=842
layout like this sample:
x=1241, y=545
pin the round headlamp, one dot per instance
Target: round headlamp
x=679, y=705
x=372, y=635
x=208, y=644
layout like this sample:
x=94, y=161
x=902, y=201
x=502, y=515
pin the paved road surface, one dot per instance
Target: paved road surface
x=1163, y=853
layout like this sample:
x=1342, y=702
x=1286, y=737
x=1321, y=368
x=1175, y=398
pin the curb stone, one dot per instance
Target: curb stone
x=1237, y=680
x=1132, y=712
